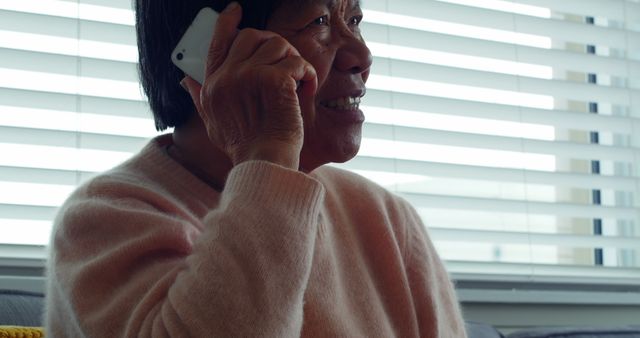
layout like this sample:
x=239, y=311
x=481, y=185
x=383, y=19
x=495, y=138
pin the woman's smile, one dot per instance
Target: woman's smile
x=327, y=35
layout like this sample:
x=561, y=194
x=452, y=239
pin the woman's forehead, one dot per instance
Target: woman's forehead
x=331, y=4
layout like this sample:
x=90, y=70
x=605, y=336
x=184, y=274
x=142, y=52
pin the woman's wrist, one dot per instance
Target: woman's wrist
x=284, y=155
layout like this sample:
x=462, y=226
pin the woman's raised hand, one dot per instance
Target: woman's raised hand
x=250, y=101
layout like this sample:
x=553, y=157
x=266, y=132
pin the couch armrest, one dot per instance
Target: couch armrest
x=579, y=332
x=21, y=308
x=481, y=330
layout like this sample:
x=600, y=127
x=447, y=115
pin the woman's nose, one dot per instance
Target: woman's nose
x=353, y=56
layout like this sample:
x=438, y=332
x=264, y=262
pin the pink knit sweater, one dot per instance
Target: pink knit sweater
x=148, y=250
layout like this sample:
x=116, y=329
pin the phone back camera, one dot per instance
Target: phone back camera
x=180, y=56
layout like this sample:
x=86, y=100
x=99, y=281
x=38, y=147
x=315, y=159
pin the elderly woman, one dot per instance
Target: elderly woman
x=231, y=226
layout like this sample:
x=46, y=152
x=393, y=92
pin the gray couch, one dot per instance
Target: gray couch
x=20, y=308
x=481, y=330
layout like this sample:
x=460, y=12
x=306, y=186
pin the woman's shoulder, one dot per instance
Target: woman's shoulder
x=348, y=182
x=356, y=191
x=117, y=191
x=148, y=179
x=116, y=183
x=367, y=203
x=338, y=178
x=125, y=178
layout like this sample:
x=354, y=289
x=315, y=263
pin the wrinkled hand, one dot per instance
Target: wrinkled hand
x=250, y=100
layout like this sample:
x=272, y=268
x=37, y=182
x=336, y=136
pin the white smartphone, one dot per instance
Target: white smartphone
x=190, y=54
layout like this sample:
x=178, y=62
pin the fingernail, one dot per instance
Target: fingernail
x=184, y=85
x=231, y=7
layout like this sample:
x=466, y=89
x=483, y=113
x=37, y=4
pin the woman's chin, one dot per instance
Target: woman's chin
x=314, y=155
x=347, y=153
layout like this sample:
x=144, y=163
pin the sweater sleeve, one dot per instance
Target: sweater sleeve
x=122, y=267
x=433, y=293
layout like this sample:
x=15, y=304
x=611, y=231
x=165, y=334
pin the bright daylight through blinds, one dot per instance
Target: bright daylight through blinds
x=512, y=126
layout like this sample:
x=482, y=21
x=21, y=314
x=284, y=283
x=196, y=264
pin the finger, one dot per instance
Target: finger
x=249, y=40
x=194, y=89
x=224, y=34
x=274, y=50
x=301, y=73
x=308, y=84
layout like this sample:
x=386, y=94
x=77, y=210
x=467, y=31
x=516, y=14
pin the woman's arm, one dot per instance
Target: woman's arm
x=123, y=268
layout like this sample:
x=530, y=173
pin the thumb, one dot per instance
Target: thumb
x=225, y=33
x=193, y=88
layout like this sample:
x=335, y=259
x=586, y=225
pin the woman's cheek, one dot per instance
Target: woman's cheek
x=322, y=59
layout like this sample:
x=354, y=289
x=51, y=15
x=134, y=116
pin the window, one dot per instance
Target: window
x=512, y=126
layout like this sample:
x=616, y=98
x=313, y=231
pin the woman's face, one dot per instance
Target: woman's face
x=327, y=35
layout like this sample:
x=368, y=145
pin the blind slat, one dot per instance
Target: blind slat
x=533, y=273
x=556, y=118
x=558, y=59
x=9, y=211
x=109, y=12
x=107, y=106
x=554, y=29
x=551, y=88
x=39, y=176
x=613, y=10
x=523, y=207
x=69, y=139
x=68, y=84
x=448, y=138
x=551, y=239
x=68, y=65
x=556, y=179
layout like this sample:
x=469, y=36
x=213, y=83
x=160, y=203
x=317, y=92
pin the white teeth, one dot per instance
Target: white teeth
x=344, y=103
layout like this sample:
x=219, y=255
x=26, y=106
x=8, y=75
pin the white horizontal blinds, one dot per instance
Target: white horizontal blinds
x=70, y=106
x=478, y=113
x=512, y=126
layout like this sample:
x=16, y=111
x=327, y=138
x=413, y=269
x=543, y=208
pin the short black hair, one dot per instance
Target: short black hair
x=159, y=26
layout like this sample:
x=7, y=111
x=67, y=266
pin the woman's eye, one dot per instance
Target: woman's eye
x=355, y=20
x=321, y=21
